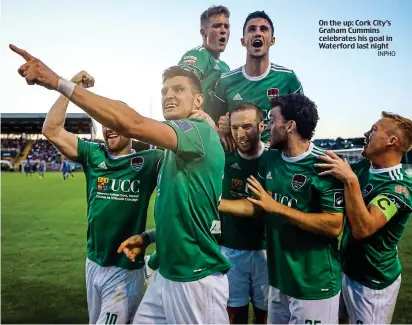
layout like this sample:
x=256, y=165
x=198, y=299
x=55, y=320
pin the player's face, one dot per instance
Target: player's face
x=377, y=139
x=278, y=132
x=258, y=37
x=246, y=131
x=217, y=33
x=114, y=141
x=179, y=99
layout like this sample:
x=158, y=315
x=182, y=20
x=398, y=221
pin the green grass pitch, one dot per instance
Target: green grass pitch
x=43, y=228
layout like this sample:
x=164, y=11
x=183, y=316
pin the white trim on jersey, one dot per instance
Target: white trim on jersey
x=298, y=89
x=281, y=68
x=384, y=170
x=301, y=156
x=223, y=101
x=257, y=155
x=251, y=78
x=230, y=73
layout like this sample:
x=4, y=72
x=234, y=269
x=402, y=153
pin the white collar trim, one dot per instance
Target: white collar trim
x=300, y=157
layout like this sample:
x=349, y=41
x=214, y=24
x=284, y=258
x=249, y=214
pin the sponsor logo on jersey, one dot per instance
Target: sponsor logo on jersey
x=103, y=184
x=190, y=57
x=283, y=199
x=235, y=166
x=237, y=97
x=402, y=189
x=338, y=200
x=269, y=175
x=272, y=93
x=192, y=62
x=137, y=163
x=236, y=185
x=183, y=125
x=298, y=181
x=102, y=165
x=366, y=191
x=216, y=227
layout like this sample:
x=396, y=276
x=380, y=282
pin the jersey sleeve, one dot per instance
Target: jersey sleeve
x=331, y=192
x=219, y=102
x=84, y=149
x=195, y=61
x=190, y=133
x=294, y=85
x=392, y=199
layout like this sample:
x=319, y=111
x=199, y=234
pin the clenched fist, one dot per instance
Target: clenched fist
x=83, y=79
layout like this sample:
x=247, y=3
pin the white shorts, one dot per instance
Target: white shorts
x=113, y=293
x=285, y=309
x=197, y=302
x=369, y=306
x=248, y=277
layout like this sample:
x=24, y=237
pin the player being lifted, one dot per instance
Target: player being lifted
x=243, y=239
x=378, y=199
x=119, y=185
x=204, y=61
x=304, y=217
x=259, y=80
x=191, y=267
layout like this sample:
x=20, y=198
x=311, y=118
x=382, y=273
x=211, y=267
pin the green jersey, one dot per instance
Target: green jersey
x=186, y=209
x=118, y=190
x=241, y=233
x=301, y=264
x=373, y=261
x=237, y=86
x=207, y=69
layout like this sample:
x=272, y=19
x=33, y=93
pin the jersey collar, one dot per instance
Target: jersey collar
x=122, y=156
x=300, y=157
x=251, y=78
x=257, y=155
x=384, y=170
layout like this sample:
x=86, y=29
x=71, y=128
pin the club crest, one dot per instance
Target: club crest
x=368, y=188
x=137, y=163
x=298, y=181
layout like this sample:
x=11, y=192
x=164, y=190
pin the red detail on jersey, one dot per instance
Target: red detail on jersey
x=402, y=189
x=273, y=92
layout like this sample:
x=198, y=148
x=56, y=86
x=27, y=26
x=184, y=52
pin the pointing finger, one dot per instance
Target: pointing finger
x=24, y=54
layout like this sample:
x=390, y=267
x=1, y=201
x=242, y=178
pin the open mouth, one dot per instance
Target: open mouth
x=170, y=105
x=257, y=43
x=222, y=40
x=112, y=136
x=243, y=142
x=365, y=142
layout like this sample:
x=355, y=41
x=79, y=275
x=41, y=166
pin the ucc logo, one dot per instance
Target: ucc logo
x=117, y=185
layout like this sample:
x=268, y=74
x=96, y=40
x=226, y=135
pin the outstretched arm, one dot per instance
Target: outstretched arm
x=53, y=126
x=117, y=116
x=324, y=223
x=364, y=221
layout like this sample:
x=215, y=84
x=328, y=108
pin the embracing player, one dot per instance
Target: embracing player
x=378, y=196
x=191, y=266
x=119, y=184
x=304, y=218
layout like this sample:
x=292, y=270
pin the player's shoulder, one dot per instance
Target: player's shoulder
x=194, y=53
x=276, y=68
x=230, y=75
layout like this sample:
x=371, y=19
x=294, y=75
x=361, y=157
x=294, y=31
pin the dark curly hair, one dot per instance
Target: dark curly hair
x=177, y=71
x=298, y=108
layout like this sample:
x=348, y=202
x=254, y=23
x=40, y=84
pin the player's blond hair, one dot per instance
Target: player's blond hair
x=403, y=127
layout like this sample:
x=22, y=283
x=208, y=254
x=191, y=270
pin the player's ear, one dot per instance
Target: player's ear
x=242, y=41
x=273, y=41
x=203, y=33
x=261, y=127
x=291, y=126
x=393, y=140
x=198, y=101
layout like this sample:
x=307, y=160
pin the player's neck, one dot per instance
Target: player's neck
x=296, y=147
x=216, y=55
x=125, y=151
x=256, y=67
x=386, y=160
